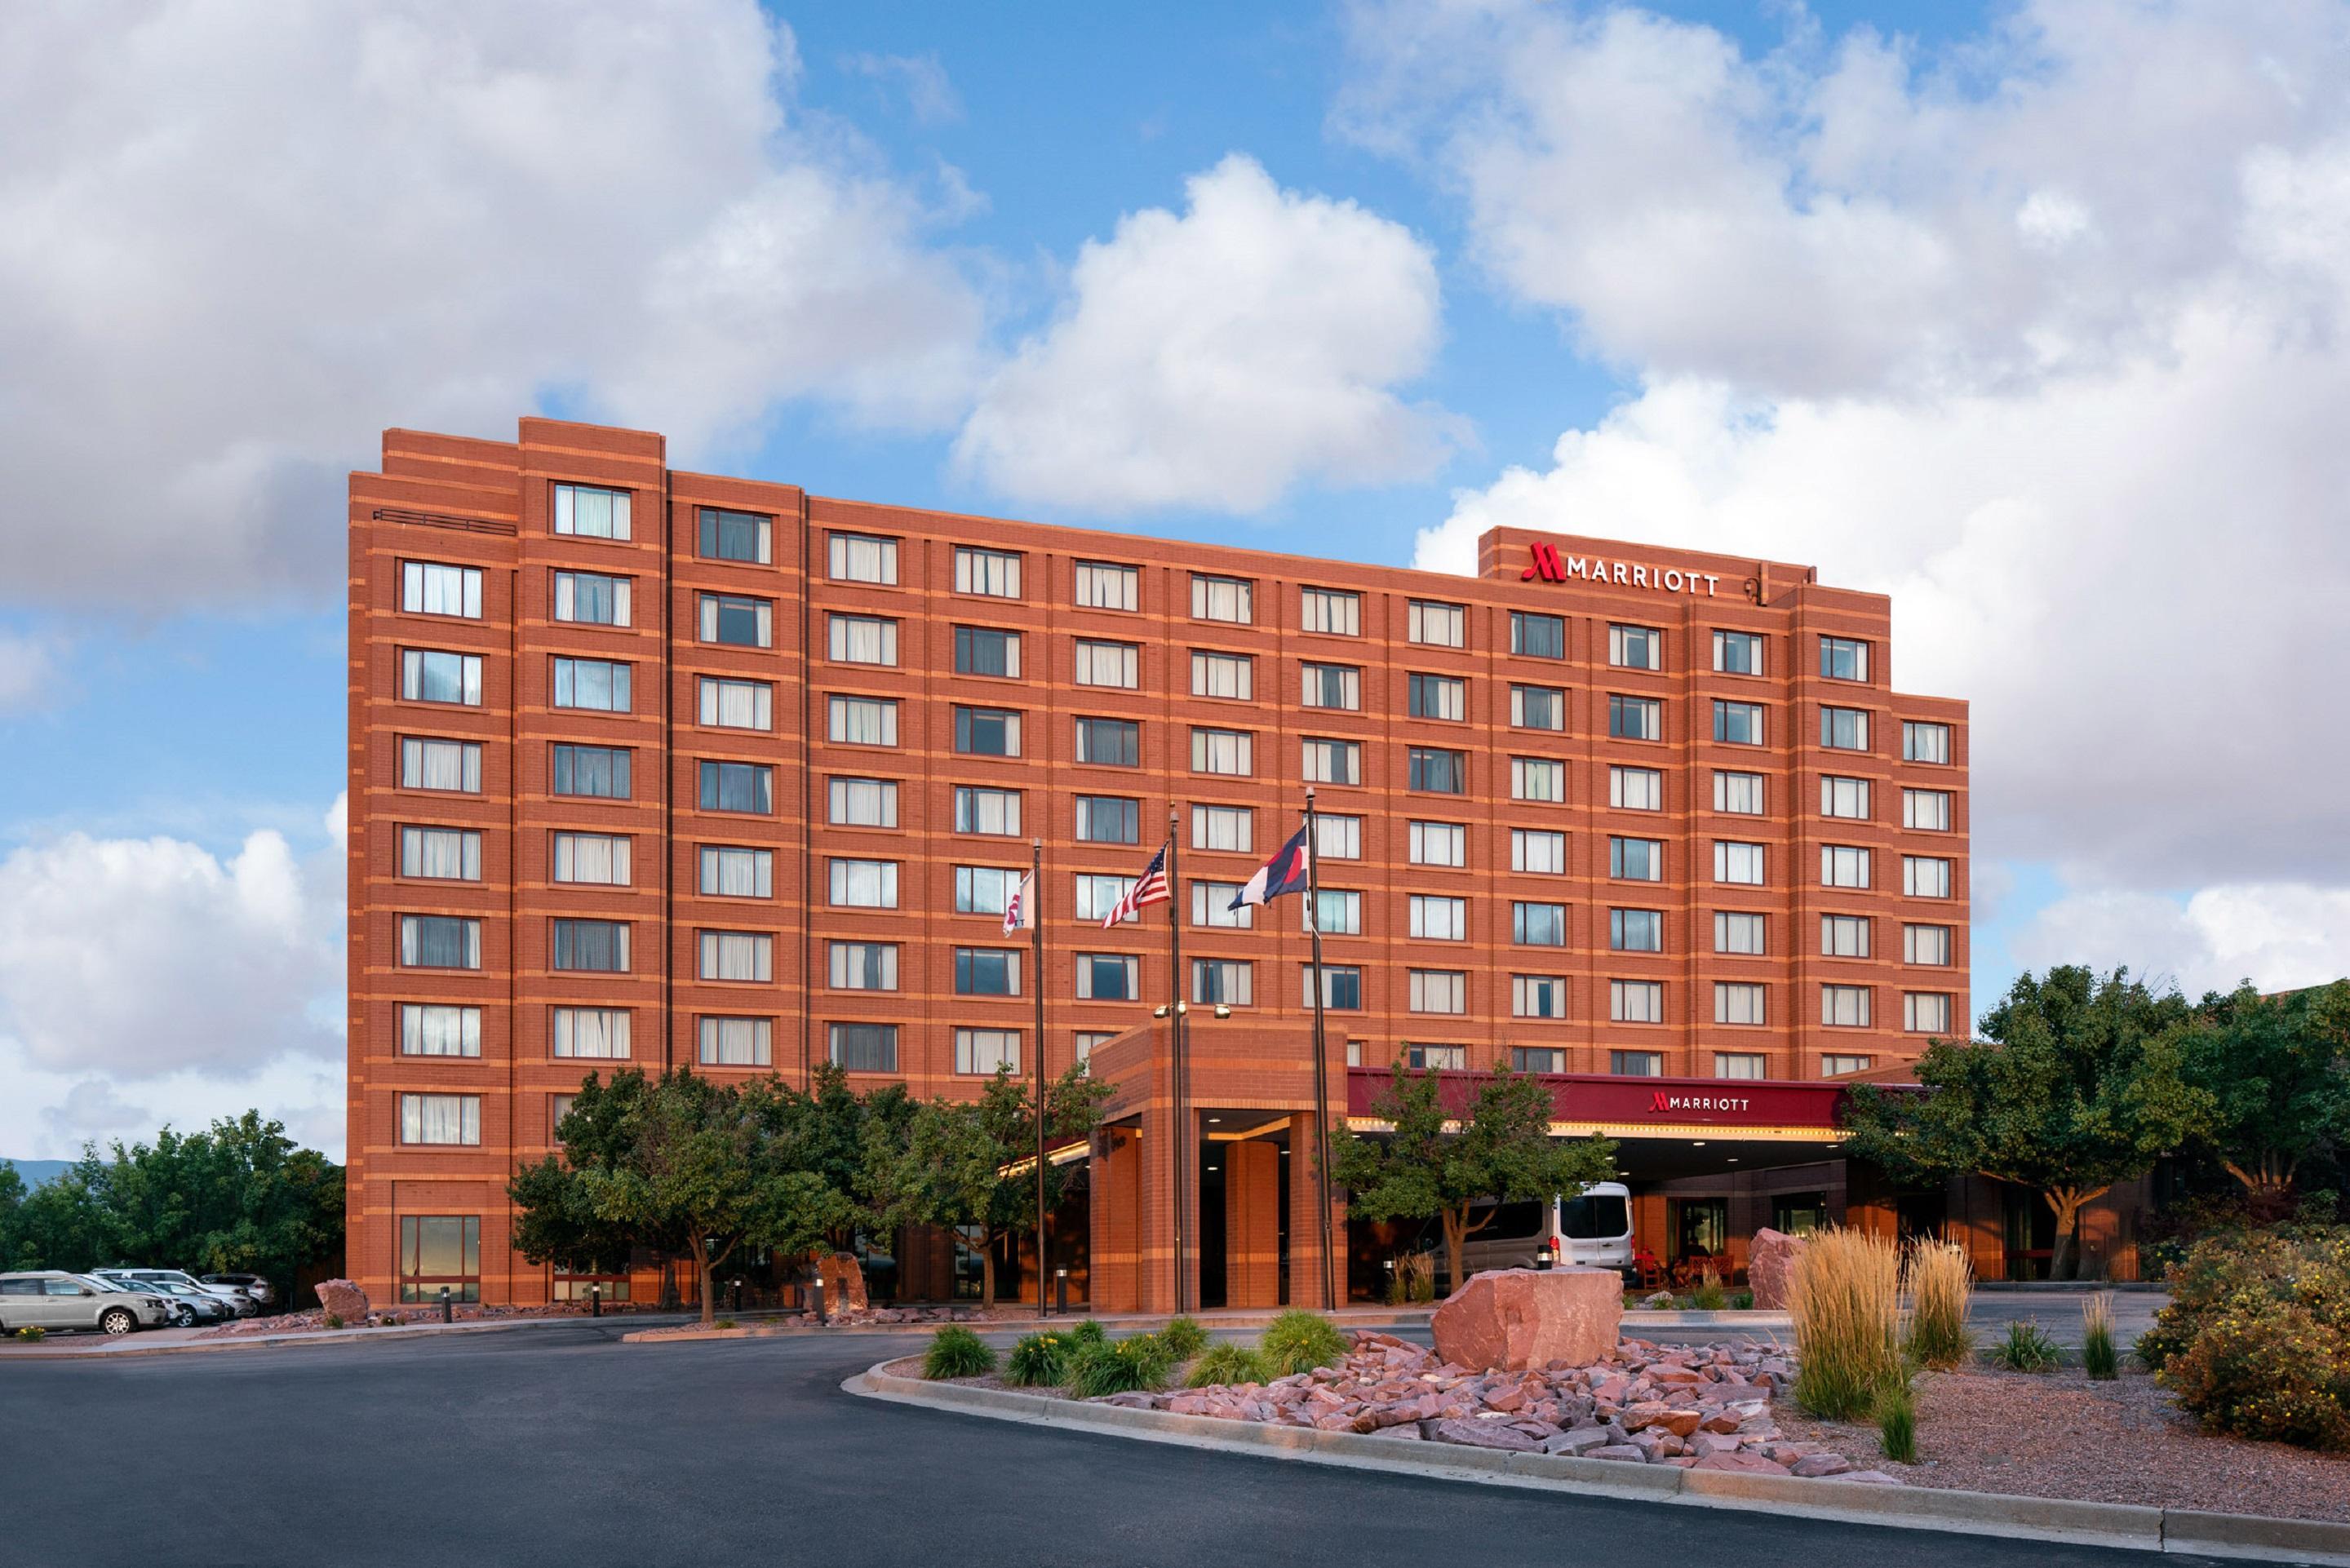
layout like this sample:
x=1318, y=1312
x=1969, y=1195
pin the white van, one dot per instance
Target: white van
x=1592, y=1229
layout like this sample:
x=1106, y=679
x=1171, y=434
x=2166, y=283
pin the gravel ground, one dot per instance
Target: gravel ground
x=2057, y=1434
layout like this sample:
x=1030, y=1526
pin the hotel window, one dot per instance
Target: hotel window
x=737, y=620
x=1229, y=675
x=597, y=1033
x=862, y=1047
x=440, y=942
x=867, y=884
x=1845, y=936
x=591, y=947
x=426, y=676
x=735, y=537
x=588, y=512
x=1437, y=625
x=1088, y=1041
x=1537, y=636
x=1739, y=1064
x=851, y=638
x=1835, y=1066
x=1535, y=925
x=598, y=684
x=737, y=1041
x=738, y=956
x=989, y=811
x=1636, y=1002
x=590, y=598
x=1737, y=1002
x=1222, y=599
x=1635, y=931
x=1843, y=797
x=1442, y=990
x=441, y=1119
x=1108, y=977
x=438, y=1251
x=441, y=854
x=1739, y=864
x=863, y=966
x=1108, y=819
x=995, y=971
x=1331, y=610
x=595, y=773
x=1925, y=877
x=1537, y=778
x=432, y=1029
x=1440, y=919
x=1635, y=648
x=1634, y=718
x=1635, y=789
x=985, y=650
x=1537, y=996
x=1342, y=986
x=1440, y=844
x=1223, y=827
x=1925, y=742
x=1229, y=752
x=1844, y=729
x=600, y=860
x=1538, y=851
x=1735, y=932
x=1636, y=859
x=1211, y=907
x=1337, y=838
x=861, y=559
x=454, y=766
x=738, y=786
x=1926, y=1012
x=987, y=732
x=861, y=803
x=737, y=704
x=1842, y=659
x=1845, y=1006
x=1353, y=1052
x=1339, y=686
x=1536, y=1059
x=1843, y=866
x=1738, y=653
x=1926, y=809
x=1107, y=743
x=1436, y=697
x=1926, y=944
x=1436, y=1058
x=1095, y=896
x=729, y=872
x=986, y=1052
x=995, y=574
x=1101, y=585
x=1112, y=664
x=1537, y=707
x=1738, y=794
x=1341, y=913
x=1231, y=981
x=428, y=590
x=1636, y=1063
x=1738, y=724
x=1434, y=771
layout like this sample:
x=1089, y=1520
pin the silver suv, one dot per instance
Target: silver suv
x=51, y=1299
x=238, y=1304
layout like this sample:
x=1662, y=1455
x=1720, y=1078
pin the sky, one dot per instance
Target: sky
x=2031, y=315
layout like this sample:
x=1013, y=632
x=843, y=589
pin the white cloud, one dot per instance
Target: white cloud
x=235, y=242
x=930, y=97
x=28, y=672
x=2277, y=935
x=1217, y=357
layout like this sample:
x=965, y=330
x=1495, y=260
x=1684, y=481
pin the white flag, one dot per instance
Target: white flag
x=1015, y=909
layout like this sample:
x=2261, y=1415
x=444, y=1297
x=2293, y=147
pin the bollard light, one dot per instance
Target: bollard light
x=1061, y=1291
x=595, y=1300
x=447, y=1315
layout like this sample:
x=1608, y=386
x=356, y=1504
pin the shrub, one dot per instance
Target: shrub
x=32, y=1333
x=1896, y=1424
x=2098, y=1358
x=1038, y=1361
x=1709, y=1295
x=2256, y=1339
x=2026, y=1349
x=1941, y=1284
x=333, y=1320
x=1227, y=1364
x=1183, y=1337
x=1413, y=1280
x=1846, y=1302
x=956, y=1352
x=725, y=1322
x=1088, y=1333
x=1101, y=1367
x=1300, y=1341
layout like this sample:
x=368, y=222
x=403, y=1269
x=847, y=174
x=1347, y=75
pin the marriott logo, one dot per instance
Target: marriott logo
x=1551, y=566
x=1660, y=1101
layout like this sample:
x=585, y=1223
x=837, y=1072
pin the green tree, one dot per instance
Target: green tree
x=554, y=1220
x=2277, y=1070
x=2075, y=1085
x=838, y=1124
x=1500, y=1149
x=969, y=1165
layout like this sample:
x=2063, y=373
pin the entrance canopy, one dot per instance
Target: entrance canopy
x=1718, y=1110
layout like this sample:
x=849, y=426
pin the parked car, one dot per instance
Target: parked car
x=51, y=1300
x=194, y=1306
x=176, y=1314
x=1592, y=1227
x=253, y=1285
x=240, y=1304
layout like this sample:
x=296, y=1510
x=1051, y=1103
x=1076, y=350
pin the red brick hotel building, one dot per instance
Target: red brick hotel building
x=655, y=767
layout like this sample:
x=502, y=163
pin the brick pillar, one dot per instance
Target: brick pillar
x=1252, y=1225
x=1305, y=1223
x=1116, y=1219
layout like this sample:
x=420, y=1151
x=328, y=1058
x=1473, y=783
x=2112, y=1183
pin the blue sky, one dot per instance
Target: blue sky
x=1936, y=296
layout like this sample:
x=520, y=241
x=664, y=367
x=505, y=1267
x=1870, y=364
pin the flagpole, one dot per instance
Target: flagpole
x=1175, y=1012
x=1321, y=1051
x=1035, y=913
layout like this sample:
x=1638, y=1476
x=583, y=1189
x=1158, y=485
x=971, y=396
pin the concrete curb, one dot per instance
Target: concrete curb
x=115, y=1350
x=2128, y=1525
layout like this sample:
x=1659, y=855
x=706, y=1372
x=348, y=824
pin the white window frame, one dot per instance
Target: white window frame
x=1438, y=843
x=851, y=557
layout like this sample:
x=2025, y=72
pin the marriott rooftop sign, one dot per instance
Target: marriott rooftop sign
x=1550, y=566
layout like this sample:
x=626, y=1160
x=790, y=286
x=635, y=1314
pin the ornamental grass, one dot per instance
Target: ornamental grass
x=1942, y=1285
x=1846, y=1298
x=1229, y=1363
x=1300, y=1341
x=956, y=1352
x=2098, y=1357
x=1183, y=1337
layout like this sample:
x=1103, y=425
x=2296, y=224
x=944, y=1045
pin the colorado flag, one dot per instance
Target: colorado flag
x=1284, y=873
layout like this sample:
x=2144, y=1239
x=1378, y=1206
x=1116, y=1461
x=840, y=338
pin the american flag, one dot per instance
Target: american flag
x=1150, y=889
